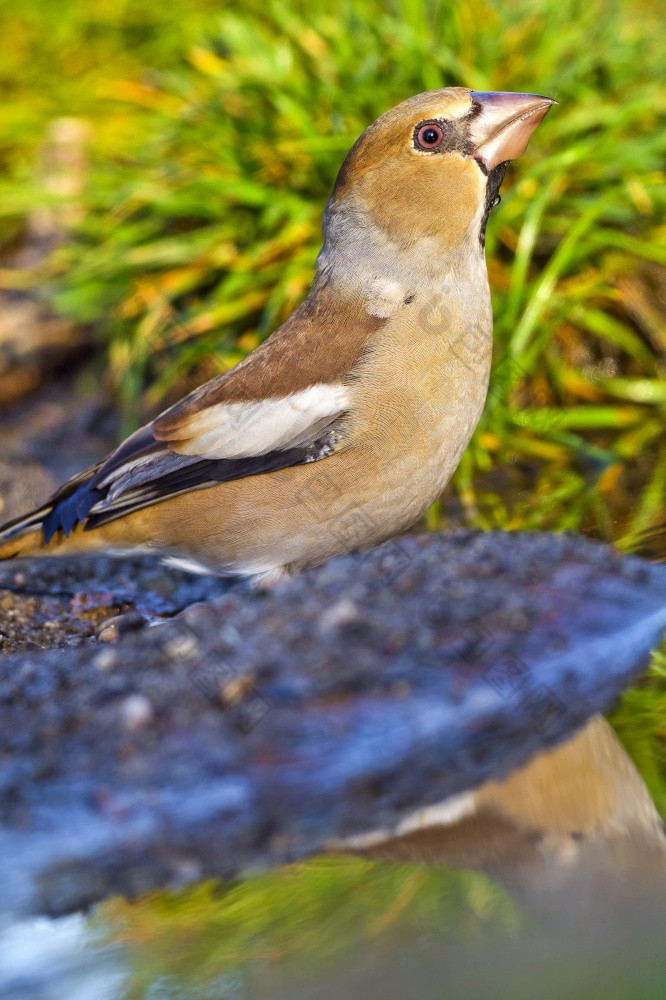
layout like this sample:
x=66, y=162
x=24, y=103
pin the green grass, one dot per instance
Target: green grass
x=62, y=59
x=640, y=722
x=301, y=922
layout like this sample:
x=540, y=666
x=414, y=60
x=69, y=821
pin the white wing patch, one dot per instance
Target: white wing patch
x=243, y=430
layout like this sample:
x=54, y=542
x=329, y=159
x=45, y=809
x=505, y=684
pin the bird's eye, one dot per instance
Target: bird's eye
x=428, y=135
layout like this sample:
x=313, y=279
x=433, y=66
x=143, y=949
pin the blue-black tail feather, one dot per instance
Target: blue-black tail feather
x=70, y=511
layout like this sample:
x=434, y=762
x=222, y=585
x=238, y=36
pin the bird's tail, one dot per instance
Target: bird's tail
x=38, y=531
x=24, y=536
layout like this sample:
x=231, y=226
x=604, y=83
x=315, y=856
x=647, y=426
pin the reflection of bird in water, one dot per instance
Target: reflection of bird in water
x=578, y=819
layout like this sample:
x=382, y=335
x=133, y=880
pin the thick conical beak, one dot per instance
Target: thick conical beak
x=504, y=124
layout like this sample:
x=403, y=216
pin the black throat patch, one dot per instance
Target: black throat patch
x=495, y=178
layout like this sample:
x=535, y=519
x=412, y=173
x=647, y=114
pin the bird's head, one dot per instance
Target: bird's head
x=422, y=178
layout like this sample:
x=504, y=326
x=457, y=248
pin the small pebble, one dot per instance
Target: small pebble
x=183, y=647
x=136, y=711
x=105, y=660
x=233, y=691
x=108, y=634
x=341, y=613
x=113, y=628
x=89, y=601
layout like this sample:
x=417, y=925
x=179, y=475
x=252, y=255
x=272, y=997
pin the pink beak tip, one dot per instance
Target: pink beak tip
x=504, y=124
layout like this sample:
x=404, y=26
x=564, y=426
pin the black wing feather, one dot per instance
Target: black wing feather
x=198, y=476
x=96, y=497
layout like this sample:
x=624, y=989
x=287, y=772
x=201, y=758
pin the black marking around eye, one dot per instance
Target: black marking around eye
x=474, y=111
x=454, y=136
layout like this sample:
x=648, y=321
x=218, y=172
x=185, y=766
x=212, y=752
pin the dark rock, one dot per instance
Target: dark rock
x=255, y=728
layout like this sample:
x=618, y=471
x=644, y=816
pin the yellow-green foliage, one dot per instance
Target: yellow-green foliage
x=302, y=921
x=640, y=722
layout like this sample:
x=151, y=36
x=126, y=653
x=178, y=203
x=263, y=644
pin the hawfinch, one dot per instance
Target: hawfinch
x=348, y=422
x=576, y=822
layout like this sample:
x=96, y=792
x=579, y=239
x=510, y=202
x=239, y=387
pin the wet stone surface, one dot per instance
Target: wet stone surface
x=254, y=728
x=63, y=602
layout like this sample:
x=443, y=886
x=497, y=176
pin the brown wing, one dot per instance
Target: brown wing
x=318, y=345
x=283, y=405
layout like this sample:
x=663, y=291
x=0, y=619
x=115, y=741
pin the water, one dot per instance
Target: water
x=42, y=959
x=568, y=899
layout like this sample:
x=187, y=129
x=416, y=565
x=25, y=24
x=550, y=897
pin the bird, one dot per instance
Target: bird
x=345, y=424
x=576, y=824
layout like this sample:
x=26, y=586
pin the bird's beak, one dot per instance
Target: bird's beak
x=504, y=125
